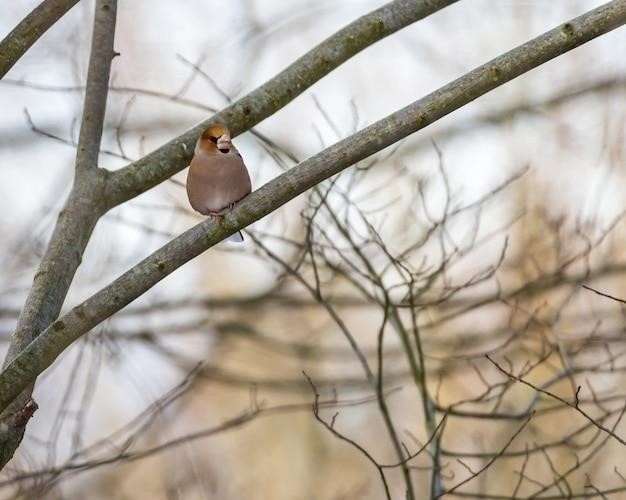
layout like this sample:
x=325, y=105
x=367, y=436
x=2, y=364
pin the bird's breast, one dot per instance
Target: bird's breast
x=215, y=182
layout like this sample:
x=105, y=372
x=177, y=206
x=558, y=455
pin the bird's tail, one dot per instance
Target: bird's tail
x=235, y=238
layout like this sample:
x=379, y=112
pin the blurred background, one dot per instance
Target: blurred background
x=470, y=238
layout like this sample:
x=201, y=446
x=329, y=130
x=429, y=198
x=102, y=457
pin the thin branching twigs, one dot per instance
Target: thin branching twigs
x=96, y=190
x=60, y=334
x=574, y=405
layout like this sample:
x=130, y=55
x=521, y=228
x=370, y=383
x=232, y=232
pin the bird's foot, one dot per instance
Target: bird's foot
x=222, y=212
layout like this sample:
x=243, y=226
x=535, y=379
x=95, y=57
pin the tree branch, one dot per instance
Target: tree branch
x=273, y=95
x=97, y=88
x=59, y=335
x=28, y=31
x=74, y=225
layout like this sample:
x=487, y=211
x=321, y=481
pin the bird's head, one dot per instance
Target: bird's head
x=215, y=137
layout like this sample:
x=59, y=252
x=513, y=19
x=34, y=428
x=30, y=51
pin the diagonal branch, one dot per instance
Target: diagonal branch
x=273, y=95
x=28, y=31
x=35, y=358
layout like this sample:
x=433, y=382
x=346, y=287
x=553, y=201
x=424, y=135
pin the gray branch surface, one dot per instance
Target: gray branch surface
x=96, y=190
x=74, y=225
x=42, y=351
x=97, y=88
x=28, y=31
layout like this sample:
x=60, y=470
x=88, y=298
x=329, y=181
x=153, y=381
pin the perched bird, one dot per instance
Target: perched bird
x=218, y=177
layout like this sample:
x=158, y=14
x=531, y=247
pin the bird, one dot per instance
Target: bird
x=218, y=177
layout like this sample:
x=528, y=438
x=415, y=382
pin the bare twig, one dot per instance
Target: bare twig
x=474, y=475
x=316, y=413
x=575, y=405
x=126, y=439
x=602, y=294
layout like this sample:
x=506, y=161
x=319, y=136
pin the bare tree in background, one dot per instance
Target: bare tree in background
x=490, y=362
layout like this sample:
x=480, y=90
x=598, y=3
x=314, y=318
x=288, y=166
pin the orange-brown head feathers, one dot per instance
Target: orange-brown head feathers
x=214, y=137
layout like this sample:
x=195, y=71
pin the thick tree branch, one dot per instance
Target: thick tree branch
x=266, y=100
x=74, y=225
x=59, y=335
x=84, y=206
x=28, y=31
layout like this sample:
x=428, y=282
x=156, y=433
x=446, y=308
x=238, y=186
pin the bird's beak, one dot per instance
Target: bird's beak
x=223, y=142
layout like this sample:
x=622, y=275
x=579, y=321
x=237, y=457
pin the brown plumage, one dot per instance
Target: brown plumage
x=218, y=177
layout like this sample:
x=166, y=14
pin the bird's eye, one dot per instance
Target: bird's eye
x=213, y=139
